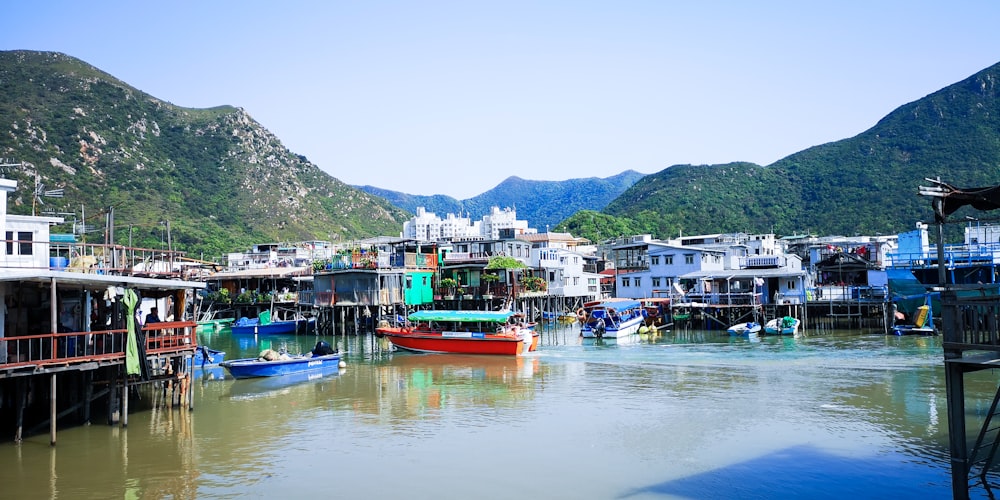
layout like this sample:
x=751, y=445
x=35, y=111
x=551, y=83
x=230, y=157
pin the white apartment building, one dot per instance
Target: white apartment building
x=427, y=226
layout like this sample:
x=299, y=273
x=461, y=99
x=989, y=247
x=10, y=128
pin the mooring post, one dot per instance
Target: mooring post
x=52, y=409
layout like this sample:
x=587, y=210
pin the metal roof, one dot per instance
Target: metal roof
x=266, y=272
x=743, y=273
x=92, y=279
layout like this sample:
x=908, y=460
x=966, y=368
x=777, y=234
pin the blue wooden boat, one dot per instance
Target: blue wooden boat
x=207, y=356
x=612, y=318
x=246, y=326
x=287, y=365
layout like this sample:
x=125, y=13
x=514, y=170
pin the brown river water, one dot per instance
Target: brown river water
x=687, y=414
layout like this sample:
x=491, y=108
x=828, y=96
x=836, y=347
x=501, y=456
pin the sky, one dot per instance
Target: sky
x=437, y=97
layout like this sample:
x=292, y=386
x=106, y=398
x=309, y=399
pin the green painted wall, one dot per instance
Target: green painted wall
x=417, y=288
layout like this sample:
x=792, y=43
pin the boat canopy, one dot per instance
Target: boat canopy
x=461, y=316
x=616, y=304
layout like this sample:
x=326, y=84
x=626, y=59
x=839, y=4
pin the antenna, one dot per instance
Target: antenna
x=6, y=164
x=41, y=192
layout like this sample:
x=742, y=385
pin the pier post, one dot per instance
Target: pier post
x=954, y=382
x=52, y=409
x=124, y=416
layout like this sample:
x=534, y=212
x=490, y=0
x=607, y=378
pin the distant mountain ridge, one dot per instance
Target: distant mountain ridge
x=222, y=180
x=863, y=185
x=544, y=204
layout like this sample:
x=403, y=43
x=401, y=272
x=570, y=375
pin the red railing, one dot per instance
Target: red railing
x=62, y=349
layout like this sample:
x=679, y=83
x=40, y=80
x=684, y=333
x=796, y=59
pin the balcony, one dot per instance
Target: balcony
x=51, y=350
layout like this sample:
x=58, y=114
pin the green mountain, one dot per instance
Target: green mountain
x=541, y=203
x=866, y=184
x=220, y=179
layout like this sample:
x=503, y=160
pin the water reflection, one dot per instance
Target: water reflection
x=696, y=414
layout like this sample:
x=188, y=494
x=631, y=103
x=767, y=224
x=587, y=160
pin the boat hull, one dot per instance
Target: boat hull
x=457, y=342
x=625, y=329
x=773, y=328
x=253, y=368
x=206, y=356
x=913, y=330
x=749, y=328
x=612, y=318
x=274, y=328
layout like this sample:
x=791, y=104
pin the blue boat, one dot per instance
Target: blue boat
x=209, y=372
x=207, y=356
x=246, y=326
x=286, y=365
x=612, y=318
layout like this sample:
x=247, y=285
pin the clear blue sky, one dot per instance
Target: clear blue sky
x=453, y=97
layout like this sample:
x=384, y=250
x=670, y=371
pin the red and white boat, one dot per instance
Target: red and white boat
x=463, y=332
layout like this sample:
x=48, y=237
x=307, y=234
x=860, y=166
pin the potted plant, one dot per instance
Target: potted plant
x=534, y=284
x=447, y=286
x=489, y=280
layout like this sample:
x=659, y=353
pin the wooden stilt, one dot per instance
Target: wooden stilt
x=124, y=416
x=22, y=401
x=52, y=409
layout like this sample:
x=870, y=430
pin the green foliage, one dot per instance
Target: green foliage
x=489, y=278
x=246, y=297
x=221, y=180
x=533, y=283
x=447, y=283
x=504, y=262
x=597, y=227
x=864, y=185
x=221, y=296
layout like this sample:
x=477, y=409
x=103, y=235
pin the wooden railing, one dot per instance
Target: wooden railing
x=970, y=319
x=63, y=349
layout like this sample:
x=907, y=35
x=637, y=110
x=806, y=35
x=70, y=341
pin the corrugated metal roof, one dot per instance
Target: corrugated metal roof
x=268, y=272
x=743, y=273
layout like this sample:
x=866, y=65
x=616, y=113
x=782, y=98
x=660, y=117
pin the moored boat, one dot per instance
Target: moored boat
x=281, y=365
x=215, y=324
x=612, y=318
x=462, y=332
x=785, y=325
x=747, y=328
x=207, y=356
x=246, y=326
x=657, y=312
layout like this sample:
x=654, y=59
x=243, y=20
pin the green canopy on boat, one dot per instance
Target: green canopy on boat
x=462, y=316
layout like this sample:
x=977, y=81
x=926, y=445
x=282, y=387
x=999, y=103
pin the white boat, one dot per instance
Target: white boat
x=748, y=328
x=612, y=318
x=785, y=325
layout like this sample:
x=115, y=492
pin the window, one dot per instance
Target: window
x=656, y=282
x=625, y=282
x=655, y=260
x=689, y=258
x=409, y=282
x=637, y=280
x=668, y=260
x=24, y=243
